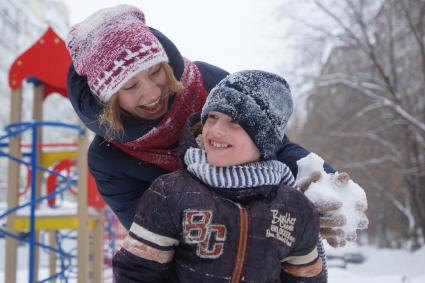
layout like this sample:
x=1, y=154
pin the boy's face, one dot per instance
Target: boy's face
x=226, y=142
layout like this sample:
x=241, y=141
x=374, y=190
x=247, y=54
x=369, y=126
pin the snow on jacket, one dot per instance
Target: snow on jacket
x=197, y=233
x=122, y=179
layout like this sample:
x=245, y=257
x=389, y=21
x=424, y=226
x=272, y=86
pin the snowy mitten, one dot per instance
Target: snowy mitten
x=329, y=224
x=340, y=202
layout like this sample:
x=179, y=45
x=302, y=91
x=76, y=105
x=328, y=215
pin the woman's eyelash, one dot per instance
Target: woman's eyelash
x=130, y=87
x=156, y=71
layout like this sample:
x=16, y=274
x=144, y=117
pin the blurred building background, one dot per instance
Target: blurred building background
x=21, y=24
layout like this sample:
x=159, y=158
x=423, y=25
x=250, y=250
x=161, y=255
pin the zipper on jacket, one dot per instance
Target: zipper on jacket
x=242, y=244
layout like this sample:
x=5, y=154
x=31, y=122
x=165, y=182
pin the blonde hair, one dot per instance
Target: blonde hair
x=111, y=114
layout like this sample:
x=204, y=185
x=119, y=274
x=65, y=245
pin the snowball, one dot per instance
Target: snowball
x=329, y=189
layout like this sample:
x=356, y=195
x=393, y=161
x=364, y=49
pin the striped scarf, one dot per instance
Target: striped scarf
x=154, y=147
x=255, y=174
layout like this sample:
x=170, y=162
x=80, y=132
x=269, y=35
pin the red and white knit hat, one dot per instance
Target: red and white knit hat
x=111, y=46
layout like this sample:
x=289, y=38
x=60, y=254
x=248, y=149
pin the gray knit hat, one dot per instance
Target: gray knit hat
x=259, y=101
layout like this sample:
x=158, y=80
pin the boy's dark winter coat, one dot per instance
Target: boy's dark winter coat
x=120, y=178
x=163, y=208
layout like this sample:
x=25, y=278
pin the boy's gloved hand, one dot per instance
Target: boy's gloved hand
x=331, y=222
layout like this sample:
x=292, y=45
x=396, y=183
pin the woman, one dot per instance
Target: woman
x=130, y=85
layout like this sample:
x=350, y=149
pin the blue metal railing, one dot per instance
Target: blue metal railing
x=14, y=130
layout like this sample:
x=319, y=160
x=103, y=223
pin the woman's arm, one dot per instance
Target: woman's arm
x=121, y=179
x=120, y=194
x=83, y=101
x=211, y=74
x=291, y=152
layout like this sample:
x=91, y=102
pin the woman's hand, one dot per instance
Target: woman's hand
x=331, y=220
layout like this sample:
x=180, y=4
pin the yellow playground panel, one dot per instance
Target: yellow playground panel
x=49, y=158
x=53, y=222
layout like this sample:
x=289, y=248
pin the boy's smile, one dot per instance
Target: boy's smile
x=217, y=144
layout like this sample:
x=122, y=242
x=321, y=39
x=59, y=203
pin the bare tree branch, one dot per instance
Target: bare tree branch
x=405, y=208
x=326, y=82
x=418, y=32
x=370, y=162
x=373, y=137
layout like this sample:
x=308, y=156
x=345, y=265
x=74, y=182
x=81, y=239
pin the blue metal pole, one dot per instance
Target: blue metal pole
x=33, y=204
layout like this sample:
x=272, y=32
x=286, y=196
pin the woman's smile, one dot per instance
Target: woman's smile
x=154, y=107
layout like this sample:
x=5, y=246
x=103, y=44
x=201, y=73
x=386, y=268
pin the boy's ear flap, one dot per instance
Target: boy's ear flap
x=200, y=142
x=197, y=133
x=197, y=129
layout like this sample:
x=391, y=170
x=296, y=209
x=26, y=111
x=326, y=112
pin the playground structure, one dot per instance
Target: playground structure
x=45, y=65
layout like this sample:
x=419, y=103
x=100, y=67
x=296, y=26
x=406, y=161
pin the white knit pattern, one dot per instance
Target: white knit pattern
x=119, y=80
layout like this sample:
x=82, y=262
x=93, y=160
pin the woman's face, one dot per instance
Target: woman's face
x=226, y=142
x=144, y=96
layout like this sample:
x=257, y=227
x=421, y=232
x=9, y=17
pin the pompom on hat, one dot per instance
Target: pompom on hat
x=111, y=46
x=259, y=101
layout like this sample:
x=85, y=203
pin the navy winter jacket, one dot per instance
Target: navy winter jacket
x=121, y=179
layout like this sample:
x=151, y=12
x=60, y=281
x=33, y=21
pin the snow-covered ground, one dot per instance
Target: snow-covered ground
x=379, y=266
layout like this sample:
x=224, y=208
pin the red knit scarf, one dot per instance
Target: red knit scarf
x=153, y=147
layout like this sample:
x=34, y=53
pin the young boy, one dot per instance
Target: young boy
x=232, y=215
